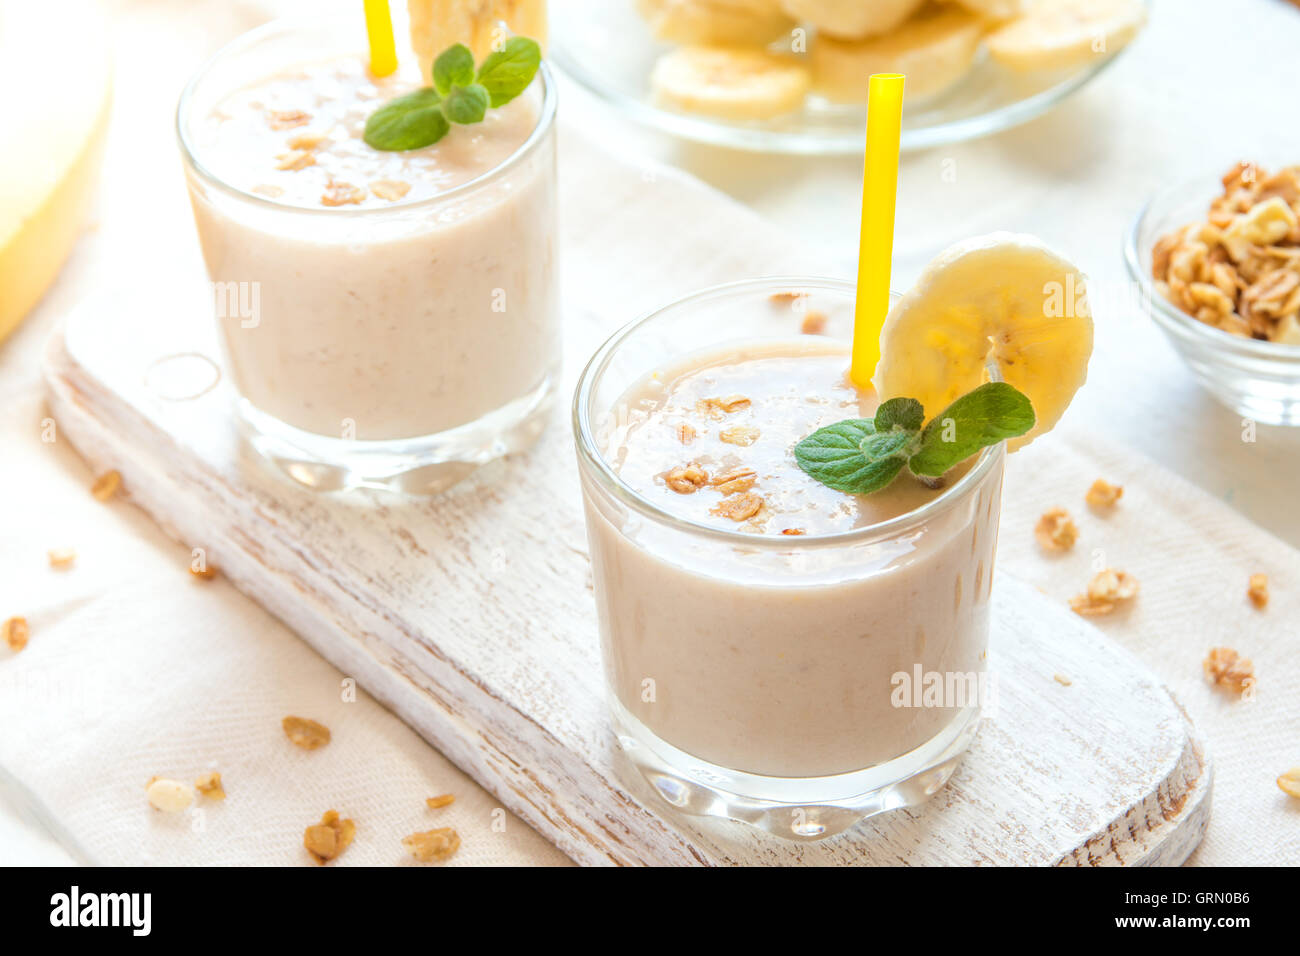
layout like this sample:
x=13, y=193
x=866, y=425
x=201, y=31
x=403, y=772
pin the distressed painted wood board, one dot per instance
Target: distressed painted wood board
x=471, y=614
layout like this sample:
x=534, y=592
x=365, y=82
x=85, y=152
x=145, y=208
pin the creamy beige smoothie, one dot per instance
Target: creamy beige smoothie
x=398, y=294
x=780, y=659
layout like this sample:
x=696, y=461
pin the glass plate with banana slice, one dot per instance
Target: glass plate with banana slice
x=790, y=76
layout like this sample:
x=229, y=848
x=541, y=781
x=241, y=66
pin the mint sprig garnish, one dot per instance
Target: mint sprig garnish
x=459, y=94
x=863, y=455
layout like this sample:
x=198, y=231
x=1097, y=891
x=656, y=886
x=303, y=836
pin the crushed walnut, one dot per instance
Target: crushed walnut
x=287, y=119
x=298, y=159
x=1258, y=590
x=738, y=507
x=1106, y=591
x=307, y=734
x=1224, y=667
x=814, y=323
x=794, y=531
x=15, y=633
x=686, y=479
x=1102, y=494
x=685, y=433
x=1239, y=270
x=1056, y=530
x=742, y=435
x=716, y=408
x=327, y=839
x=62, y=558
x=1289, y=782
x=432, y=846
x=390, y=189
x=341, y=194
x=735, y=480
x=209, y=784
x=106, y=485
x=440, y=801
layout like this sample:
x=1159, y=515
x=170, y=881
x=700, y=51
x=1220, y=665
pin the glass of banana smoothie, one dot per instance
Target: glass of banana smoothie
x=766, y=639
x=387, y=317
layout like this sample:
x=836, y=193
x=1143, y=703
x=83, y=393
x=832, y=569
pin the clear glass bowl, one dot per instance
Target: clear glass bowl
x=1257, y=379
x=608, y=49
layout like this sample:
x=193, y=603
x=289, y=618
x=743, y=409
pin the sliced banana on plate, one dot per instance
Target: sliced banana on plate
x=716, y=22
x=995, y=9
x=1064, y=34
x=1006, y=295
x=934, y=49
x=730, y=83
x=852, y=19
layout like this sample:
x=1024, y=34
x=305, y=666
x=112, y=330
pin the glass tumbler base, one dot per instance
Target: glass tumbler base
x=420, y=466
x=810, y=808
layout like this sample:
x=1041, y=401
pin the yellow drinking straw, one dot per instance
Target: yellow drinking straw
x=379, y=28
x=876, y=240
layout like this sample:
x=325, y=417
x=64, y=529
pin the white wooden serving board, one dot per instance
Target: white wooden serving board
x=471, y=614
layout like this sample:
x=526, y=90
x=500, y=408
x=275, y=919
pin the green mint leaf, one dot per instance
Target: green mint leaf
x=454, y=67
x=408, y=122
x=507, y=72
x=466, y=104
x=905, y=413
x=850, y=456
x=989, y=414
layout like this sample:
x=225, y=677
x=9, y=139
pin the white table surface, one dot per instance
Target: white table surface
x=1199, y=89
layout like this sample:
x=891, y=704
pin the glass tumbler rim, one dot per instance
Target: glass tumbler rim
x=289, y=25
x=593, y=461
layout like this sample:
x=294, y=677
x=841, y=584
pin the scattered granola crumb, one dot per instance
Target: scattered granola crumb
x=715, y=408
x=269, y=191
x=307, y=141
x=106, y=485
x=1289, y=782
x=209, y=784
x=442, y=800
x=329, y=838
x=287, y=119
x=62, y=558
x=814, y=323
x=307, y=734
x=738, y=507
x=1062, y=680
x=685, y=433
x=169, y=796
x=341, y=194
x=794, y=531
x=735, y=480
x=1224, y=667
x=785, y=298
x=1106, y=591
x=1258, y=590
x=390, y=189
x=298, y=159
x=1103, y=494
x=16, y=632
x=742, y=435
x=686, y=479
x=1056, y=530
x=432, y=846
x=206, y=573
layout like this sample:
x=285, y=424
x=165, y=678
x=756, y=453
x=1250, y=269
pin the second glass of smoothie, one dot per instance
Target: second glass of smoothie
x=387, y=318
x=767, y=639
